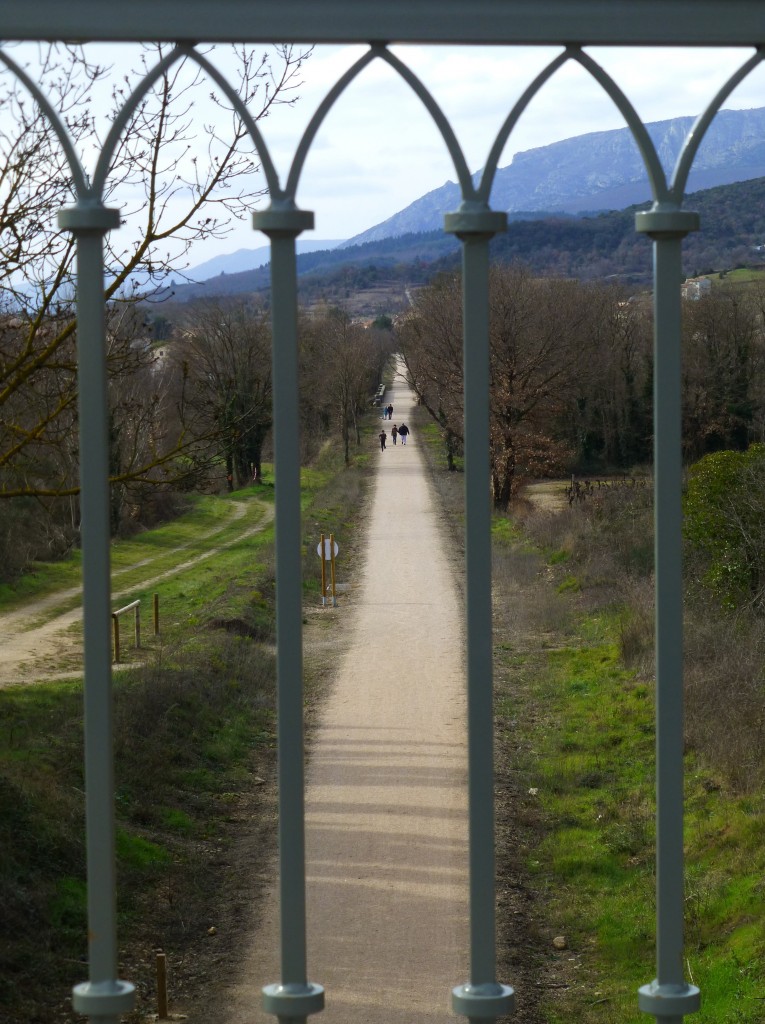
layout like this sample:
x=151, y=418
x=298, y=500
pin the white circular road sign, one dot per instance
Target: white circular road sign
x=327, y=549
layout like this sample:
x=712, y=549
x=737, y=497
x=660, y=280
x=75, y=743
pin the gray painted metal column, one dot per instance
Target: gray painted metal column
x=668, y=997
x=482, y=997
x=103, y=997
x=294, y=997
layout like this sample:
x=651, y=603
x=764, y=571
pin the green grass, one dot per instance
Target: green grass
x=429, y=433
x=212, y=521
x=743, y=275
x=133, y=851
x=504, y=530
x=593, y=770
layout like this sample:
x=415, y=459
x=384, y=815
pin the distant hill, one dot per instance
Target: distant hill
x=597, y=172
x=251, y=259
x=604, y=246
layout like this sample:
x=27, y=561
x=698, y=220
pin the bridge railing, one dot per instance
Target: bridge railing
x=634, y=22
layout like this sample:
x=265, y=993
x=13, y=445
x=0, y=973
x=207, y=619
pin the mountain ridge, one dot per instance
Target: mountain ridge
x=596, y=172
x=244, y=259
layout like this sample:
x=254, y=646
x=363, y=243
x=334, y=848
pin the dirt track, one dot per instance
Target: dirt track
x=37, y=639
x=386, y=802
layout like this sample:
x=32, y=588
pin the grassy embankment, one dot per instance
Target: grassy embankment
x=575, y=763
x=194, y=734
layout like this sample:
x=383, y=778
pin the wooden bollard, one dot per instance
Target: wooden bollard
x=161, y=986
x=156, y=615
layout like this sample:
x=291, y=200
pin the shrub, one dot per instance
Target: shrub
x=725, y=523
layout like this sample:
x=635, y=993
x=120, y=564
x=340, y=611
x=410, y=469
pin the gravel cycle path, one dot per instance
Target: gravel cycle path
x=386, y=804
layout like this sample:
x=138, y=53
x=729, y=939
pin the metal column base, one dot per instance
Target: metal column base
x=490, y=1000
x=293, y=1000
x=103, y=999
x=668, y=1000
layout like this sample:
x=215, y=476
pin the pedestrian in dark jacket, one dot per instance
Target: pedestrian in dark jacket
x=394, y=432
x=390, y=412
x=383, y=438
x=403, y=431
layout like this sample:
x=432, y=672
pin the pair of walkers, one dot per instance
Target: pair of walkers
x=396, y=432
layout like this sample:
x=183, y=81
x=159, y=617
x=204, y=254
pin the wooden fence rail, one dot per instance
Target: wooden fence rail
x=133, y=606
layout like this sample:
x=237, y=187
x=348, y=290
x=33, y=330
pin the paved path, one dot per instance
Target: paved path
x=386, y=802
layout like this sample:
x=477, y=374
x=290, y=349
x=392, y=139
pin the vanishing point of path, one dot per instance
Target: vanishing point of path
x=386, y=805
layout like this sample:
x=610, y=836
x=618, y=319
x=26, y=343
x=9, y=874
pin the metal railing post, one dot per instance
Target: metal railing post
x=294, y=997
x=668, y=997
x=104, y=996
x=482, y=997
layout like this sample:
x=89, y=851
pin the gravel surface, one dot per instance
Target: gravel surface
x=386, y=808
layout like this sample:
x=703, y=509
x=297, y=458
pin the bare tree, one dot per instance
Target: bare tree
x=539, y=345
x=181, y=182
x=430, y=342
x=723, y=360
x=344, y=365
x=226, y=356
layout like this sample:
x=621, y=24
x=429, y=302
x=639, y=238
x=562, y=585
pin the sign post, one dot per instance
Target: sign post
x=327, y=551
x=320, y=553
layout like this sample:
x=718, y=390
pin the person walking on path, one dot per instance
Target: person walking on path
x=403, y=432
x=383, y=438
x=394, y=432
x=390, y=412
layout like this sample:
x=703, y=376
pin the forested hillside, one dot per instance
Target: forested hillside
x=602, y=246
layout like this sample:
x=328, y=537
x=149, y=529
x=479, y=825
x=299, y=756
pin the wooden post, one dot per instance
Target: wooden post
x=115, y=621
x=332, y=566
x=161, y=986
x=323, y=574
x=156, y=615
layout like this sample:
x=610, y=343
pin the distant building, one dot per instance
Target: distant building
x=696, y=287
